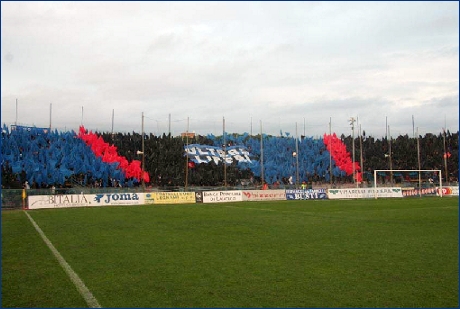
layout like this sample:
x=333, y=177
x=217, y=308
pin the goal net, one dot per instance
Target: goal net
x=411, y=182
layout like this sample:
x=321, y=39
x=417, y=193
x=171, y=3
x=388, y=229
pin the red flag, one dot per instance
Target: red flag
x=109, y=154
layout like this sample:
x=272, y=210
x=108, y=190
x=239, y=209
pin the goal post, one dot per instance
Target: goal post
x=419, y=177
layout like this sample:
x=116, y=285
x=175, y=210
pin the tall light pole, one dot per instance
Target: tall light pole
x=262, y=175
x=294, y=155
x=224, y=146
x=143, y=154
x=419, y=166
x=352, y=123
x=169, y=125
x=186, y=157
x=296, y=158
x=445, y=155
x=361, y=153
x=330, y=150
x=391, y=162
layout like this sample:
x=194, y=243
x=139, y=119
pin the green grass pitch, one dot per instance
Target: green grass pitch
x=324, y=253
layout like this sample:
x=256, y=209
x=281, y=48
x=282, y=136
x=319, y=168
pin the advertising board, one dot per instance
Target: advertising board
x=222, y=196
x=306, y=194
x=407, y=192
x=169, y=197
x=364, y=193
x=84, y=200
x=264, y=195
x=448, y=191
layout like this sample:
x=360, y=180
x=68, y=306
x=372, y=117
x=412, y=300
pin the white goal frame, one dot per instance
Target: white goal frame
x=419, y=178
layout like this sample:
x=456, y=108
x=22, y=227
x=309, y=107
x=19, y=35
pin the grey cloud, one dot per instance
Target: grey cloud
x=9, y=57
x=163, y=42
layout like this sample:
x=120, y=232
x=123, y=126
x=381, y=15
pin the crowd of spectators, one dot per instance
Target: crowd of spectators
x=48, y=159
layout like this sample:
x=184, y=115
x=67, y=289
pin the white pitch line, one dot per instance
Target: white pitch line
x=81, y=287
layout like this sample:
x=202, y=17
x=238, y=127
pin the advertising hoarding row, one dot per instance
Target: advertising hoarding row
x=159, y=198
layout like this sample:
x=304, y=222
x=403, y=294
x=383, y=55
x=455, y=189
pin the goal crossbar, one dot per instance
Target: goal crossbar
x=419, y=178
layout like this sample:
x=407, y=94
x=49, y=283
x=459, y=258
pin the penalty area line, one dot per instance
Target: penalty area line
x=81, y=287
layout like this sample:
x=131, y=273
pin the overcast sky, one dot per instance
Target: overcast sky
x=275, y=63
